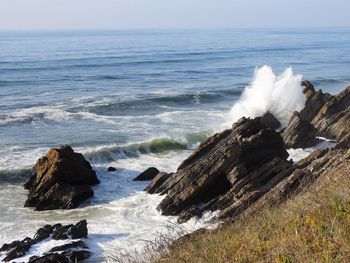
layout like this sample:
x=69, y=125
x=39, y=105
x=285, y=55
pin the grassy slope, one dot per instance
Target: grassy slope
x=311, y=227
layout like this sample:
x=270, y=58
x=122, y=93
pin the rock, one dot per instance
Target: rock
x=185, y=215
x=309, y=89
x=111, y=169
x=79, y=230
x=158, y=184
x=62, y=180
x=330, y=115
x=147, y=175
x=70, y=252
x=224, y=169
x=321, y=166
x=16, y=249
x=299, y=133
x=69, y=246
x=70, y=231
x=270, y=121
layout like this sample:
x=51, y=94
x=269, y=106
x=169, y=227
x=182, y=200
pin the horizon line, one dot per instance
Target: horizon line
x=168, y=28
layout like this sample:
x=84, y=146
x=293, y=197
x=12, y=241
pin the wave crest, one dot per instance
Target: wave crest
x=280, y=94
x=159, y=145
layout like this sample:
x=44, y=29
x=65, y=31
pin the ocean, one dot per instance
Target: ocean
x=134, y=99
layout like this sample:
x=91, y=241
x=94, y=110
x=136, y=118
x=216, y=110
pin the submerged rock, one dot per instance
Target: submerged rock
x=62, y=180
x=299, y=133
x=147, y=175
x=111, y=169
x=70, y=252
x=234, y=166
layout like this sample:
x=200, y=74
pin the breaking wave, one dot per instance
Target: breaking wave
x=107, y=154
x=280, y=94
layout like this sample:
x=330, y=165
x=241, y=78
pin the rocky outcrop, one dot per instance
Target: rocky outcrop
x=247, y=164
x=147, y=175
x=299, y=133
x=62, y=180
x=321, y=166
x=270, y=121
x=226, y=172
x=324, y=115
x=72, y=251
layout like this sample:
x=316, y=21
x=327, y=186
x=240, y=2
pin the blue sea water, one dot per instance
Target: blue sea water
x=137, y=98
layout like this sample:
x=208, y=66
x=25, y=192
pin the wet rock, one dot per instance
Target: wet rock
x=70, y=231
x=147, y=175
x=70, y=252
x=158, y=184
x=299, y=133
x=16, y=249
x=186, y=215
x=330, y=115
x=270, y=121
x=236, y=165
x=111, y=169
x=62, y=180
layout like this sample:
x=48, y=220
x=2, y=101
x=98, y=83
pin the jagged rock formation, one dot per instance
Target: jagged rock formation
x=320, y=166
x=270, y=121
x=227, y=171
x=62, y=180
x=73, y=251
x=299, y=133
x=328, y=115
x=247, y=165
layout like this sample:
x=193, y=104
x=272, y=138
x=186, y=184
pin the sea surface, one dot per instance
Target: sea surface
x=134, y=99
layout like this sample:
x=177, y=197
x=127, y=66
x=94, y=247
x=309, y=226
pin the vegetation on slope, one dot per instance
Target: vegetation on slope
x=311, y=227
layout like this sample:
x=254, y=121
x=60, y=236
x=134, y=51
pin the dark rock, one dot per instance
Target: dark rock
x=43, y=233
x=299, y=133
x=50, y=258
x=79, y=230
x=17, y=249
x=237, y=165
x=69, y=246
x=270, y=121
x=319, y=165
x=330, y=115
x=71, y=231
x=309, y=89
x=158, y=184
x=62, y=180
x=70, y=252
x=185, y=215
x=147, y=175
x=111, y=169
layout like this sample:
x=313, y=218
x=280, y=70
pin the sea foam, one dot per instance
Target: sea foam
x=280, y=94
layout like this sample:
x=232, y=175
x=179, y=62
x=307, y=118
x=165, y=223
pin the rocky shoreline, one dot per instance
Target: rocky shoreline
x=240, y=169
x=233, y=169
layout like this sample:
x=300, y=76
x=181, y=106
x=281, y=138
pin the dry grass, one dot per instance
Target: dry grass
x=312, y=227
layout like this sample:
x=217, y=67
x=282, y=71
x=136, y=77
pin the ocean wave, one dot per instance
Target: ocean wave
x=107, y=154
x=15, y=175
x=174, y=100
x=37, y=114
x=280, y=94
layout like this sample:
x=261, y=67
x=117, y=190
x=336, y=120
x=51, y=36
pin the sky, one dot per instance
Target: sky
x=165, y=14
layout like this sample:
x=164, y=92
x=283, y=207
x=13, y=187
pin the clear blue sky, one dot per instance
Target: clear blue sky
x=134, y=14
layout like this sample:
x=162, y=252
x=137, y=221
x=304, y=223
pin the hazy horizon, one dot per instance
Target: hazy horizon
x=43, y=15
